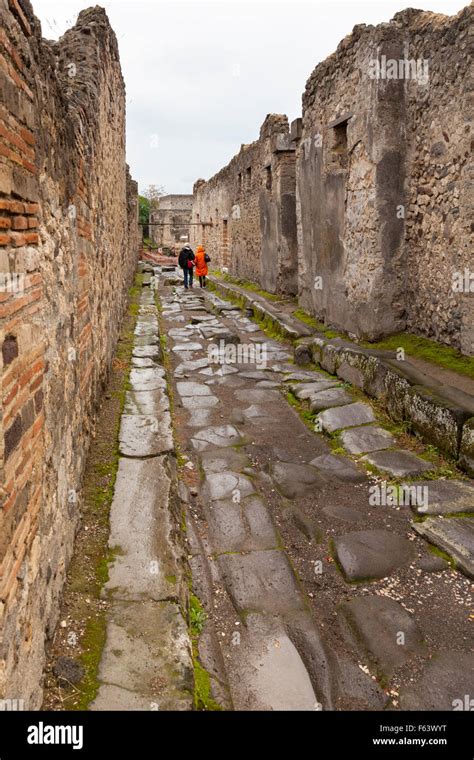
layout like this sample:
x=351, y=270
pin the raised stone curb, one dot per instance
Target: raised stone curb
x=441, y=415
x=147, y=661
x=454, y=535
x=289, y=326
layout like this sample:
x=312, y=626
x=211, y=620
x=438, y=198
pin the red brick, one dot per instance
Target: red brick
x=14, y=206
x=32, y=208
x=20, y=223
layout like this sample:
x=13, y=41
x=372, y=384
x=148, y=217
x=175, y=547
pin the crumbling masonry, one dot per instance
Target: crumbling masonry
x=68, y=236
x=364, y=207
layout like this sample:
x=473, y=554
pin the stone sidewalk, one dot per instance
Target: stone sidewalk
x=316, y=598
x=146, y=663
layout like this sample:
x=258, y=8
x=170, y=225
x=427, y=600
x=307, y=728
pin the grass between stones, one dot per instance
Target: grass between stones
x=202, y=682
x=83, y=612
x=443, y=467
x=430, y=350
x=318, y=326
x=250, y=286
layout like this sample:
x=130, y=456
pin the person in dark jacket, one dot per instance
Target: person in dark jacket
x=186, y=262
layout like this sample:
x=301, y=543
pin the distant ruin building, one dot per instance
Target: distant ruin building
x=169, y=228
x=363, y=208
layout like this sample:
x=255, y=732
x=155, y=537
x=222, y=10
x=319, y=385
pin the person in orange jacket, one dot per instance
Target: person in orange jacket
x=201, y=260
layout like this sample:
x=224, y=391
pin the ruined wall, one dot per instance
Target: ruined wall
x=439, y=230
x=384, y=180
x=245, y=215
x=350, y=164
x=173, y=218
x=68, y=237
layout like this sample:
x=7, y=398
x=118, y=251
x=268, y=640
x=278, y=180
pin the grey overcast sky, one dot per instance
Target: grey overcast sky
x=201, y=76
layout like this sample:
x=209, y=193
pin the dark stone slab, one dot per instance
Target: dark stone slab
x=444, y=685
x=398, y=463
x=454, y=535
x=368, y=554
x=382, y=631
x=261, y=582
x=339, y=468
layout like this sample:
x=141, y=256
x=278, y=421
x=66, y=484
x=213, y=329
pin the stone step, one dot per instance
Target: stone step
x=351, y=415
x=370, y=554
x=454, y=535
x=398, y=463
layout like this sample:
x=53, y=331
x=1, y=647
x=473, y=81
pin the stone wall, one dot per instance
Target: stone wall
x=384, y=187
x=382, y=221
x=69, y=244
x=245, y=215
x=172, y=221
x=439, y=229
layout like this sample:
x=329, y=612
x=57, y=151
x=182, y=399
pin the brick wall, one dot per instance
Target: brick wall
x=68, y=247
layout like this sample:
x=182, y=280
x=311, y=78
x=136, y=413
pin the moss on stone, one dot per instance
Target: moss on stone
x=429, y=350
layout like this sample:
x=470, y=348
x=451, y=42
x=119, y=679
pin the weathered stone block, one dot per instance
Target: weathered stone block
x=466, y=457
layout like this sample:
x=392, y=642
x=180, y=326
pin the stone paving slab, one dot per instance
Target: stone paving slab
x=329, y=398
x=192, y=365
x=294, y=480
x=199, y=417
x=140, y=363
x=341, y=417
x=149, y=403
x=220, y=459
x=257, y=396
x=141, y=534
x=184, y=347
x=145, y=436
x=147, y=656
x=147, y=352
x=199, y=402
x=369, y=554
x=304, y=391
x=223, y=485
x=444, y=684
x=375, y=623
x=260, y=582
x=454, y=535
x=398, y=463
x=221, y=435
x=339, y=468
x=268, y=672
x=193, y=389
x=240, y=526
x=365, y=439
x=147, y=379
x=447, y=496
